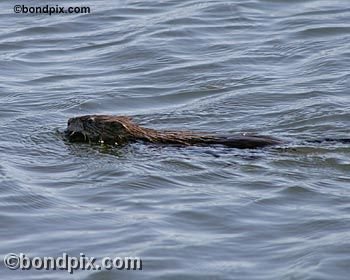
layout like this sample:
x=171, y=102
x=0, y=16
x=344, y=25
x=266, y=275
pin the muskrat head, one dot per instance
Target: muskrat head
x=98, y=129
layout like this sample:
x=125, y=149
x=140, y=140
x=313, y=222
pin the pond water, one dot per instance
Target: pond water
x=271, y=67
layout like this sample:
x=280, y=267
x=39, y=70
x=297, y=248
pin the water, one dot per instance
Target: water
x=275, y=67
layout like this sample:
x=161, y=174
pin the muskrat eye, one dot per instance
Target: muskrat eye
x=91, y=120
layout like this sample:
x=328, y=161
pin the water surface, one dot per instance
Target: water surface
x=271, y=67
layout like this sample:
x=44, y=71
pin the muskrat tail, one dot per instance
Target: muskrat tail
x=328, y=139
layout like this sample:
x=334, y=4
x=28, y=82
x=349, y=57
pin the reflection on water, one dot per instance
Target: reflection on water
x=269, y=67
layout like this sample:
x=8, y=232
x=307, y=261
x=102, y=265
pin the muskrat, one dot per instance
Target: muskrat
x=120, y=130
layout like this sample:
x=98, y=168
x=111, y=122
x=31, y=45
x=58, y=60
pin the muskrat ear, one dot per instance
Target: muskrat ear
x=117, y=125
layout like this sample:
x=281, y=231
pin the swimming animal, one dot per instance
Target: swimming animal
x=121, y=130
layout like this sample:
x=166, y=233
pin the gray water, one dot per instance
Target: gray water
x=272, y=67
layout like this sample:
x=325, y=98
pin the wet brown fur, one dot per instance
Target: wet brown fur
x=121, y=130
